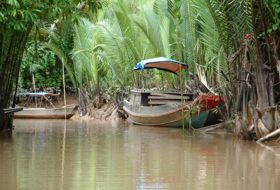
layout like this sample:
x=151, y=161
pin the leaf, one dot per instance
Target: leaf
x=275, y=27
x=13, y=3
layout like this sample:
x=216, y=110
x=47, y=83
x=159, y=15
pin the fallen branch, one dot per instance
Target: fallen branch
x=270, y=135
x=214, y=127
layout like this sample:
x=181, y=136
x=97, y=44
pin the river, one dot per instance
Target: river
x=81, y=155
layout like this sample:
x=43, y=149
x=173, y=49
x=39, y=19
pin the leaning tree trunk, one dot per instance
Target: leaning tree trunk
x=12, y=44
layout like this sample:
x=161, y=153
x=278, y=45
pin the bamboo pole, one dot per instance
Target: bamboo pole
x=36, y=61
x=64, y=91
x=64, y=131
x=182, y=101
x=63, y=156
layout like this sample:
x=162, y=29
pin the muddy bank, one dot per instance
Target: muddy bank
x=104, y=111
x=108, y=111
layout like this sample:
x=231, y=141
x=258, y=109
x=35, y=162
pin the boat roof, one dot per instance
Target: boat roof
x=161, y=63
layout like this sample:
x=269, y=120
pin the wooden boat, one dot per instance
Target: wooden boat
x=44, y=113
x=170, y=109
x=167, y=109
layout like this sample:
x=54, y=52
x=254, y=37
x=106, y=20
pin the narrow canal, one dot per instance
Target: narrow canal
x=81, y=155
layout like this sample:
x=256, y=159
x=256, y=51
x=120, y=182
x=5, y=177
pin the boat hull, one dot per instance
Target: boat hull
x=172, y=116
x=199, y=120
x=41, y=113
x=174, y=119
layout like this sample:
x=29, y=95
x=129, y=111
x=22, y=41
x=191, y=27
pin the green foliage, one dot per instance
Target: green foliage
x=202, y=33
x=129, y=35
x=122, y=43
x=18, y=14
x=85, y=54
x=195, y=32
x=129, y=32
x=60, y=41
x=275, y=6
x=47, y=71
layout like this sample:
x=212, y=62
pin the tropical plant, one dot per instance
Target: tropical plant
x=243, y=28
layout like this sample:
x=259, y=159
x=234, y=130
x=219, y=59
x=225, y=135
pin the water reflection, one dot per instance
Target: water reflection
x=91, y=155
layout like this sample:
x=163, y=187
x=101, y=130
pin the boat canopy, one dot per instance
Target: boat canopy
x=161, y=63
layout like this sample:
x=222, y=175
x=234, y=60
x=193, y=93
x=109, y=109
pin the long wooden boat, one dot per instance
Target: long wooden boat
x=44, y=113
x=171, y=109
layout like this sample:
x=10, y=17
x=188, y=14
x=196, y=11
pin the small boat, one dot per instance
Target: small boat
x=44, y=113
x=171, y=109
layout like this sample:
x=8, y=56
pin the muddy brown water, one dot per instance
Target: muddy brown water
x=81, y=155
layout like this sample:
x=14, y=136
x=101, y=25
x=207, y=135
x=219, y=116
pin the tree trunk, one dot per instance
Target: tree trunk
x=82, y=102
x=12, y=44
x=260, y=58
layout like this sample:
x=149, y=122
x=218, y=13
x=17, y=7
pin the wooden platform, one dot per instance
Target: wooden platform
x=8, y=114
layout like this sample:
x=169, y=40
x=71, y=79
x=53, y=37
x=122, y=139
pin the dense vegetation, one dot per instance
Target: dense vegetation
x=47, y=72
x=231, y=47
x=17, y=19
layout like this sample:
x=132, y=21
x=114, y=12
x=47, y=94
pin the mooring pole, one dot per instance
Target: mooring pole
x=64, y=131
x=182, y=101
x=64, y=91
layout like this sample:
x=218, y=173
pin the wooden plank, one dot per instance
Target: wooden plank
x=11, y=110
x=168, y=98
x=171, y=93
x=160, y=102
